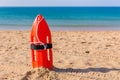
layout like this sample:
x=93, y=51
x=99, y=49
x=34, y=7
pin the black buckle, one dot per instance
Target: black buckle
x=41, y=47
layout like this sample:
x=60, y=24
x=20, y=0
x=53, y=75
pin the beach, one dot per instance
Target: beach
x=77, y=55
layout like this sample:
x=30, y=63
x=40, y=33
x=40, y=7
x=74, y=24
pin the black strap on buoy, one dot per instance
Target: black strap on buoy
x=41, y=47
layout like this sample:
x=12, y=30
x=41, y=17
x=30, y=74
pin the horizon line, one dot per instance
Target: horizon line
x=59, y=6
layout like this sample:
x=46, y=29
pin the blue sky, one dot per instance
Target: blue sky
x=59, y=2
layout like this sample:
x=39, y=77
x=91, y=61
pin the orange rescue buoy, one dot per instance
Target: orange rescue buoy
x=41, y=44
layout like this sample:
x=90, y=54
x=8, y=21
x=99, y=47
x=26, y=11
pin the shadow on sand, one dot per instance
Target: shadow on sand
x=102, y=69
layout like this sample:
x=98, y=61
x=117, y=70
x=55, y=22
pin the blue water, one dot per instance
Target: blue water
x=74, y=18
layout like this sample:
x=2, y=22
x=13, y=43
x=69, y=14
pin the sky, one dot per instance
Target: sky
x=59, y=2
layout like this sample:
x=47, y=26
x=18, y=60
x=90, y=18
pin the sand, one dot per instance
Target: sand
x=77, y=55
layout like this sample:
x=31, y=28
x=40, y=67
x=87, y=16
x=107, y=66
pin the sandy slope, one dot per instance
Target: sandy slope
x=78, y=55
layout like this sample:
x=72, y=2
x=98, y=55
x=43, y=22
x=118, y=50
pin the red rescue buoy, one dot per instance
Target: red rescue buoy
x=41, y=44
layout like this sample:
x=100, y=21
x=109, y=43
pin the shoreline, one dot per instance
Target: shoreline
x=65, y=28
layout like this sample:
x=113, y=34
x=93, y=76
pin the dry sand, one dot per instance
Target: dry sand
x=78, y=55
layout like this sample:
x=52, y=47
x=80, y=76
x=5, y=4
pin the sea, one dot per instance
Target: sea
x=61, y=18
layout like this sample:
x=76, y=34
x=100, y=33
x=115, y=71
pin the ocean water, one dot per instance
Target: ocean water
x=61, y=18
